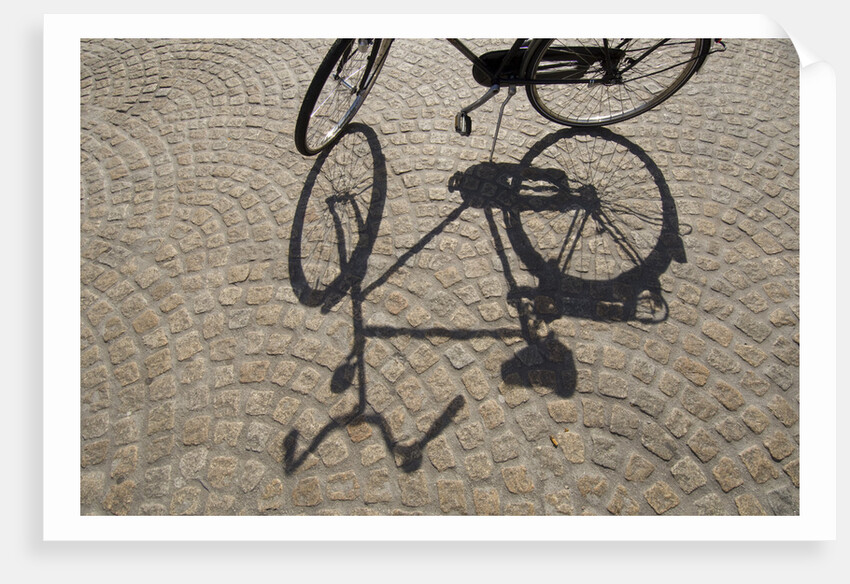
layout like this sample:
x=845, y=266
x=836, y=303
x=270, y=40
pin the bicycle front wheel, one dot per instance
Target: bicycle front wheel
x=339, y=88
x=594, y=82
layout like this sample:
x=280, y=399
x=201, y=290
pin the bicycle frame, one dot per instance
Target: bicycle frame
x=581, y=69
x=521, y=44
x=476, y=60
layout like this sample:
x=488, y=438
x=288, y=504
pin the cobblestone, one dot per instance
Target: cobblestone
x=441, y=373
x=688, y=475
x=748, y=504
x=759, y=464
x=572, y=445
x=661, y=497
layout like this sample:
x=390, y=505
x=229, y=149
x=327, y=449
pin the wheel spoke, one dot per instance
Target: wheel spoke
x=619, y=238
x=606, y=81
x=572, y=239
x=611, y=213
x=341, y=84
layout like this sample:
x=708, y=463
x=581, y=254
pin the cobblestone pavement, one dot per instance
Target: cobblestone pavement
x=455, y=369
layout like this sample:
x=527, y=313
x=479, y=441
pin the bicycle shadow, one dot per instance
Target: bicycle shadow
x=578, y=278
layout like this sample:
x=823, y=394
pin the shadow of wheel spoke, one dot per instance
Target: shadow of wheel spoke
x=337, y=218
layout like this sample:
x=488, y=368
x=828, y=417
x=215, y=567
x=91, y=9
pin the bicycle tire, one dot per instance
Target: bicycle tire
x=338, y=90
x=636, y=76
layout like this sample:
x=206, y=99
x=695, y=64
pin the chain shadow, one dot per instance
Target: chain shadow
x=570, y=210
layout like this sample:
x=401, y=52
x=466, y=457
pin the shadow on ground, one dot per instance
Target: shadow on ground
x=587, y=213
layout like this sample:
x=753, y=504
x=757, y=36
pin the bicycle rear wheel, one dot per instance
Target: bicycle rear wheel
x=594, y=82
x=337, y=91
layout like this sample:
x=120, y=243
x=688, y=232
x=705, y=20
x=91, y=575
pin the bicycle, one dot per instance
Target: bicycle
x=573, y=82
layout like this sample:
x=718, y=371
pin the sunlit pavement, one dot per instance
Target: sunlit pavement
x=459, y=358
